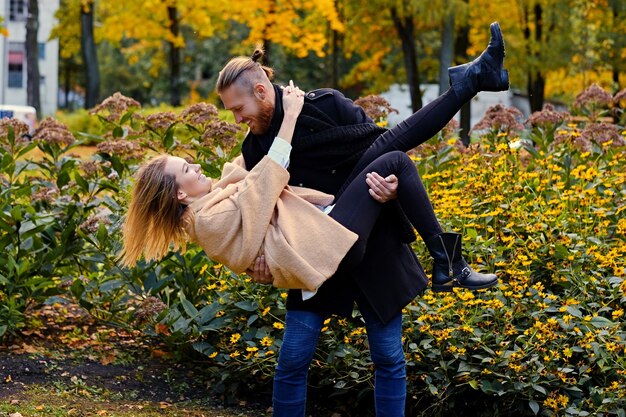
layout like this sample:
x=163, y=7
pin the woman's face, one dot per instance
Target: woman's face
x=192, y=183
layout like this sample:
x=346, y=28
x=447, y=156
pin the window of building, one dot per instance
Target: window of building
x=42, y=50
x=18, y=10
x=17, y=61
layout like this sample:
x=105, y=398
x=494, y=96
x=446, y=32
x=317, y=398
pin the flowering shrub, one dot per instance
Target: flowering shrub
x=543, y=205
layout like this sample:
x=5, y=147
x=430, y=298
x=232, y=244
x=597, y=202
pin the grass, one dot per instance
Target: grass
x=61, y=401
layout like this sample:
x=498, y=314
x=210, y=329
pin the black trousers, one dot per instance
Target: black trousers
x=358, y=211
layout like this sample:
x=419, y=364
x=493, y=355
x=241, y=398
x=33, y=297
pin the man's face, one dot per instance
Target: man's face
x=251, y=108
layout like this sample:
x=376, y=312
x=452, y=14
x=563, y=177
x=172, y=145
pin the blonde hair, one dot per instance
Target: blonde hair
x=245, y=71
x=155, y=217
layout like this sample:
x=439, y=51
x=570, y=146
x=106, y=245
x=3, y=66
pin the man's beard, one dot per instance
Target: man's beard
x=261, y=123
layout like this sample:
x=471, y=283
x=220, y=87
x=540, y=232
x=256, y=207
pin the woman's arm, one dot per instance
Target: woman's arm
x=293, y=100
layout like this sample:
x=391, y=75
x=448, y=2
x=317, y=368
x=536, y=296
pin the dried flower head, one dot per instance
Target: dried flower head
x=90, y=168
x=112, y=108
x=592, y=98
x=19, y=129
x=161, y=121
x=619, y=96
x=500, y=118
x=53, y=132
x=92, y=224
x=576, y=141
x=450, y=130
x=199, y=114
x=123, y=148
x=603, y=133
x=376, y=107
x=45, y=194
x=548, y=117
x=149, y=308
x=220, y=133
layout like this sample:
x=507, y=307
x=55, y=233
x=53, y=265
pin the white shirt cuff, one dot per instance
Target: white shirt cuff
x=280, y=152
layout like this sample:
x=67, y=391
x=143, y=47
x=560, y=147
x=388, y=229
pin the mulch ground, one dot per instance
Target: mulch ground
x=67, y=350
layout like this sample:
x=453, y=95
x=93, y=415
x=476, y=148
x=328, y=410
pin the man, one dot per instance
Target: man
x=330, y=137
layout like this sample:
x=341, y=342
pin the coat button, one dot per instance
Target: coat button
x=301, y=185
x=311, y=94
x=333, y=171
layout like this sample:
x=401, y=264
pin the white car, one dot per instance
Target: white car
x=26, y=114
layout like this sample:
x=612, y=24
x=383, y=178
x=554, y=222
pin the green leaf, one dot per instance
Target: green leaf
x=599, y=321
x=189, y=308
x=534, y=406
x=62, y=179
x=540, y=389
x=3, y=330
x=84, y=185
x=574, y=311
x=118, y=132
x=248, y=305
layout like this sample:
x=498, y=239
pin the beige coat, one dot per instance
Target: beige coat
x=251, y=213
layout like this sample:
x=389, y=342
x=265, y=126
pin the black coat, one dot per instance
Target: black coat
x=330, y=136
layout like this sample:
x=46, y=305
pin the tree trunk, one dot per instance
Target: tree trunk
x=536, y=82
x=174, y=58
x=90, y=57
x=67, y=83
x=33, y=92
x=334, y=60
x=406, y=31
x=461, y=45
x=446, y=54
x=536, y=89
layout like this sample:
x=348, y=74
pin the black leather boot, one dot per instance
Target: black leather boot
x=485, y=73
x=450, y=269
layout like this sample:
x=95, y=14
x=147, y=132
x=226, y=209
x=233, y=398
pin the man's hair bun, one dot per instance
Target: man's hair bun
x=258, y=54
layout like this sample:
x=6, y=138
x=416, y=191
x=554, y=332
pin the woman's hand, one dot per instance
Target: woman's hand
x=293, y=100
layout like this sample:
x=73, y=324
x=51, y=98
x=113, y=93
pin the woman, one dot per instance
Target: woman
x=247, y=214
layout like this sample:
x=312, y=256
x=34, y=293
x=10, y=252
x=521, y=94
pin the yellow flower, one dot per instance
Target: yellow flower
x=265, y=311
x=252, y=349
x=204, y=268
x=234, y=354
x=234, y=338
x=266, y=341
x=212, y=355
x=278, y=326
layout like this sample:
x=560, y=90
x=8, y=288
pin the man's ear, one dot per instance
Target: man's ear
x=260, y=92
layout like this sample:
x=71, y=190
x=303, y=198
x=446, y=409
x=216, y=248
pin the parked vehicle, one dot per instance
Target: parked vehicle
x=26, y=114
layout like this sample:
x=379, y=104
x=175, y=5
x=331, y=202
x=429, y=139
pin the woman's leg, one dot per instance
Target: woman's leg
x=356, y=210
x=411, y=132
x=302, y=329
x=385, y=341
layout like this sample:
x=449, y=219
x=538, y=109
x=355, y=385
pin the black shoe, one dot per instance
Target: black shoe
x=485, y=73
x=450, y=269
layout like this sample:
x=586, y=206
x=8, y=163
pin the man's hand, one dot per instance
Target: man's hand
x=260, y=272
x=382, y=189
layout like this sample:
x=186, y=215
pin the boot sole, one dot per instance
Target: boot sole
x=452, y=285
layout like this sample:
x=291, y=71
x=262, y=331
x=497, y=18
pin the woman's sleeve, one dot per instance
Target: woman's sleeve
x=232, y=230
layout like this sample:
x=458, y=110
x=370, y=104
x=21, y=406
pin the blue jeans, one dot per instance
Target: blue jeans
x=302, y=330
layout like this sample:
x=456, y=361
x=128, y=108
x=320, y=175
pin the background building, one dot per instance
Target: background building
x=13, y=54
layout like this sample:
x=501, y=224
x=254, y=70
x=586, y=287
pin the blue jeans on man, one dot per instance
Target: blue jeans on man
x=302, y=330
